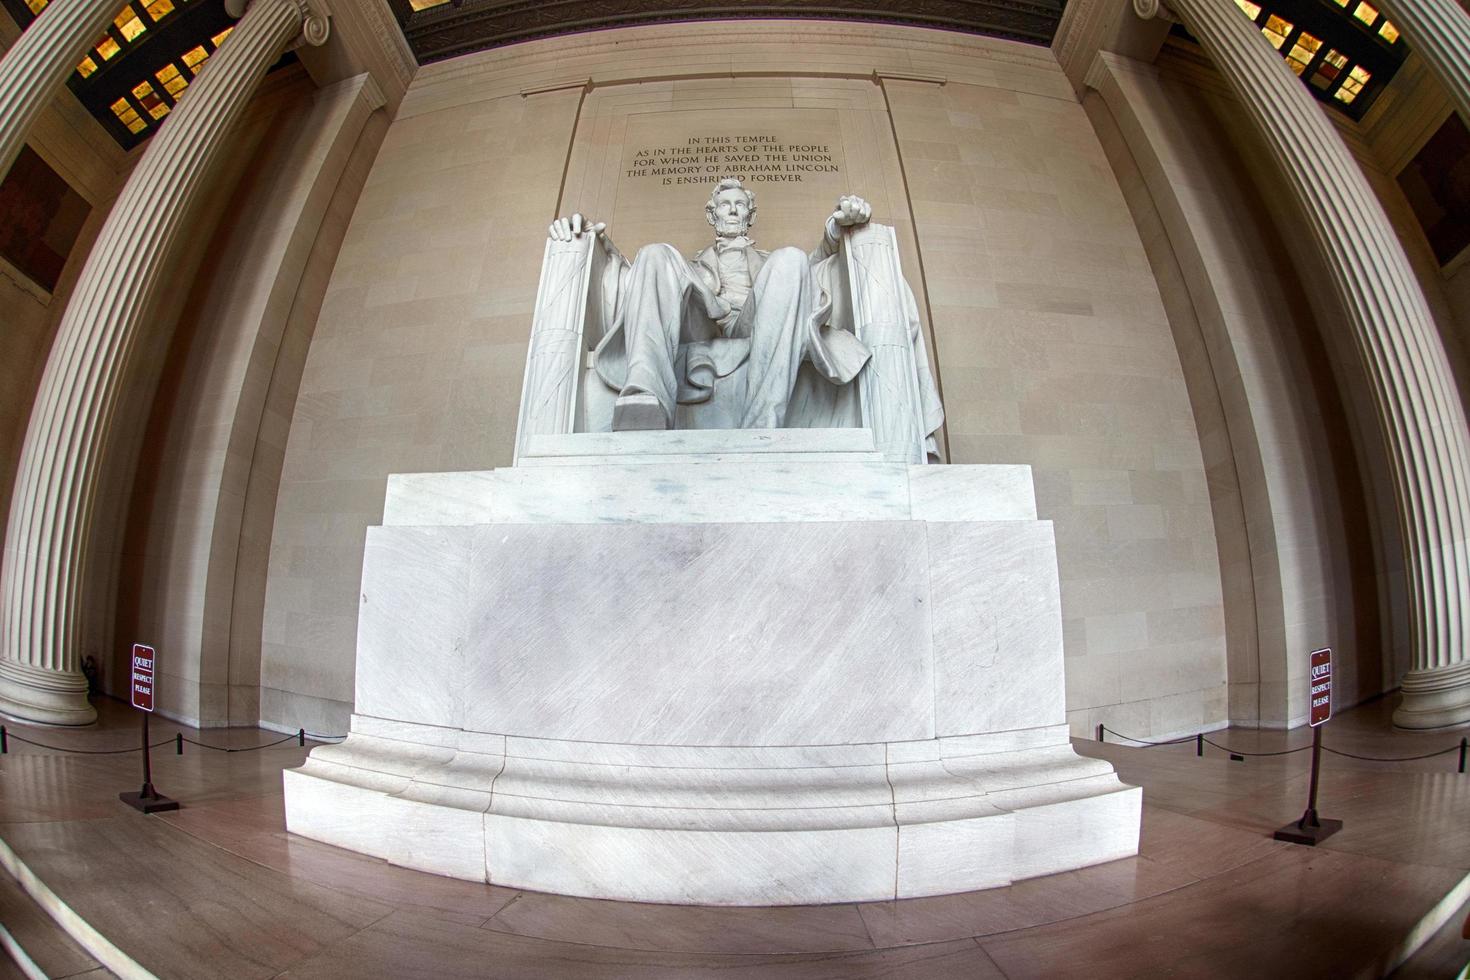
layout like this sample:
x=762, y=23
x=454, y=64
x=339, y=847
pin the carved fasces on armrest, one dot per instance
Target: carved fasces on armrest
x=567, y=321
x=888, y=387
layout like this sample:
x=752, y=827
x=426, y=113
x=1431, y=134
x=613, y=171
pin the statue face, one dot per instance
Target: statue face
x=730, y=212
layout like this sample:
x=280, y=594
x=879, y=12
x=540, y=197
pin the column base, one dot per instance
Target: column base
x=1438, y=697
x=43, y=696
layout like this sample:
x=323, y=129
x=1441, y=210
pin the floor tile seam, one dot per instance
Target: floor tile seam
x=766, y=953
x=1205, y=880
x=493, y=915
x=1123, y=900
x=327, y=948
x=1220, y=820
x=1328, y=848
x=1228, y=801
x=4, y=824
x=990, y=959
x=285, y=875
x=341, y=889
x=857, y=908
x=1123, y=903
x=1462, y=869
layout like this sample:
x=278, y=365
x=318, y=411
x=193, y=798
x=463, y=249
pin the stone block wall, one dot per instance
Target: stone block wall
x=1048, y=332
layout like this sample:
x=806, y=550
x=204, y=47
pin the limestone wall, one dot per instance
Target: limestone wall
x=203, y=502
x=1050, y=340
x=1291, y=524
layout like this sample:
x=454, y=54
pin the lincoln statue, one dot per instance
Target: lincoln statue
x=680, y=325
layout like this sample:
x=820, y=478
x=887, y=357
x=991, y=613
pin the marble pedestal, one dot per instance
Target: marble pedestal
x=734, y=668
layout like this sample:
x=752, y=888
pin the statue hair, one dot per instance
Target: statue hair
x=729, y=184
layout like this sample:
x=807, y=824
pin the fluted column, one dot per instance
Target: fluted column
x=1440, y=31
x=1419, y=410
x=56, y=482
x=37, y=64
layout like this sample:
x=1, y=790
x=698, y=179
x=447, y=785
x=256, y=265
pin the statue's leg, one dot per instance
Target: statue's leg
x=776, y=314
x=654, y=305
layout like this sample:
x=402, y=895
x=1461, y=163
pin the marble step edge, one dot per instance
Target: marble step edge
x=746, y=800
x=82, y=932
x=685, y=863
x=711, y=492
x=692, y=459
x=427, y=737
x=676, y=442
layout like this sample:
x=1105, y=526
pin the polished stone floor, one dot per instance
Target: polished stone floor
x=219, y=889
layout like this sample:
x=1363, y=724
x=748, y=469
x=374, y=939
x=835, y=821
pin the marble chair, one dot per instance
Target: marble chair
x=562, y=393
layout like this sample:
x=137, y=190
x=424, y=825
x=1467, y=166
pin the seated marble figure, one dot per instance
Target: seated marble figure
x=680, y=327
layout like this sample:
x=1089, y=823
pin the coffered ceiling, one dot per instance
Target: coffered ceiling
x=439, y=29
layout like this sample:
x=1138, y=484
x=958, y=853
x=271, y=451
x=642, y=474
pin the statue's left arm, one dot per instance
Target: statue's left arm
x=850, y=210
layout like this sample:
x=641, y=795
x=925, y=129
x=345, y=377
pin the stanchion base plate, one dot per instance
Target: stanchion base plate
x=1309, y=835
x=148, y=804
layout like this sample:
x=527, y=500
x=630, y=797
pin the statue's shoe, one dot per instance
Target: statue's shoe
x=638, y=412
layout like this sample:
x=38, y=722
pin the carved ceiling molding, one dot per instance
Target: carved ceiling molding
x=461, y=27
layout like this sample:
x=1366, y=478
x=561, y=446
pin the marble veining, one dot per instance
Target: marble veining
x=726, y=668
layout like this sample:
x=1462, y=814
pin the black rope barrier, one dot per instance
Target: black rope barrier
x=1201, y=740
x=1226, y=748
x=1141, y=741
x=177, y=739
x=1404, y=758
x=244, y=748
x=59, y=748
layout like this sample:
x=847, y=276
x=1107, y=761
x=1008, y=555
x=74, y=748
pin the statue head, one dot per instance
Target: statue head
x=731, y=208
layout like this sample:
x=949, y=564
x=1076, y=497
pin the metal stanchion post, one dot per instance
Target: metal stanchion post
x=1311, y=829
x=147, y=799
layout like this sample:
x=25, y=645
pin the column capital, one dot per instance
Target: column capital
x=315, y=17
x=1151, y=9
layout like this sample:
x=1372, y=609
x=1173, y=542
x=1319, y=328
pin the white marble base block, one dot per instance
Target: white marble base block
x=768, y=675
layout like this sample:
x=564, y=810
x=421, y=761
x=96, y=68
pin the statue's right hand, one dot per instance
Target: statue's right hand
x=566, y=229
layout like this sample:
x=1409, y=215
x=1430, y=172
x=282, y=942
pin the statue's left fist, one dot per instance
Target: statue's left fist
x=852, y=210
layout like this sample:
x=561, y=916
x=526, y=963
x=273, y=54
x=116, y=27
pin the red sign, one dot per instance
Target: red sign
x=1321, y=699
x=142, y=677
